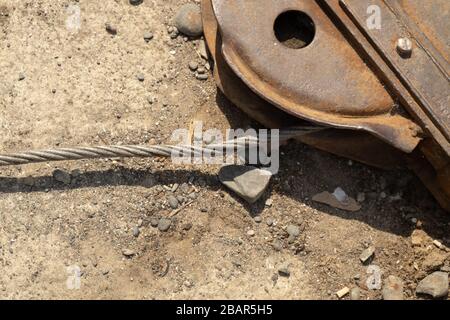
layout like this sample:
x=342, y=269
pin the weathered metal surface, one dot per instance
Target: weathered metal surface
x=355, y=145
x=383, y=71
x=430, y=161
x=232, y=86
x=326, y=82
x=421, y=73
x=429, y=23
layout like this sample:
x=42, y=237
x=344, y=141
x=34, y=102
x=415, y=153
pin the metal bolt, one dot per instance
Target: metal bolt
x=404, y=47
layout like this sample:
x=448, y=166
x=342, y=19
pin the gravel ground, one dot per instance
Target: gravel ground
x=110, y=220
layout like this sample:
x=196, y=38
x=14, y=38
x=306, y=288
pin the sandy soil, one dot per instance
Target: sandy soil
x=81, y=88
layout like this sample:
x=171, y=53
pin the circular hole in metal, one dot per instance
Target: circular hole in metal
x=294, y=29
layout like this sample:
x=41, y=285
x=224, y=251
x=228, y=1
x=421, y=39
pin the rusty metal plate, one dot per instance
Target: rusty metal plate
x=421, y=73
x=325, y=82
x=362, y=45
x=429, y=21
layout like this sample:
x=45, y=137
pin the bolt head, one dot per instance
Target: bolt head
x=404, y=47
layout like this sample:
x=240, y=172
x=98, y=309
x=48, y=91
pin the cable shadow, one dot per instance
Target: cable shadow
x=304, y=172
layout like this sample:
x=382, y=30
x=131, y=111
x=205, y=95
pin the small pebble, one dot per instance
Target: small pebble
x=62, y=176
x=192, y=196
x=438, y=244
x=250, y=233
x=154, y=222
x=293, y=231
x=164, y=224
x=187, y=226
x=128, y=252
x=193, y=66
x=258, y=219
x=140, y=77
x=136, y=232
x=277, y=245
x=343, y=292
x=148, y=36
x=367, y=254
x=181, y=199
x=111, y=29
x=173, y=202
x=185, y=188
x=284, y=272
x=189, y=20
x=136, y=2
x=237, y=262
x=21, y=76
x=202, y=77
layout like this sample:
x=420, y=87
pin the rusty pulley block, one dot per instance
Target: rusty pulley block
x=374, y=72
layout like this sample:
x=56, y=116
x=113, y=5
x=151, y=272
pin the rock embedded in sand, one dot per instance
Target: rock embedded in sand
x=189, y=20
x=247, y=182
x=435, y=285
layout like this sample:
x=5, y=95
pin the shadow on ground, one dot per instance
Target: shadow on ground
x=304, y=173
